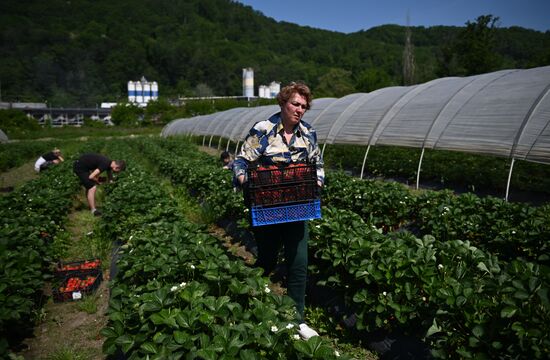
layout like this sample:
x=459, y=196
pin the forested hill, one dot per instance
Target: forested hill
x=82, y=52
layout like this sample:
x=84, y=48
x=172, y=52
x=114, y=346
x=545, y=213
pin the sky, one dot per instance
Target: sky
x=349, y=16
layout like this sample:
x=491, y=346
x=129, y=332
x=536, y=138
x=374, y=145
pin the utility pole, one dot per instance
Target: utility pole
x=408, y=57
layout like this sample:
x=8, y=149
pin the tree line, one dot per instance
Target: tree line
x=83, y=52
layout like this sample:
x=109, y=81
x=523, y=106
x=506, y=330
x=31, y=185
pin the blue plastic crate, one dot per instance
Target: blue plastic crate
x=288, y=213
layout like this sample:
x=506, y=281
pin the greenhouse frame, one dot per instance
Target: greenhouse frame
x=504, y=113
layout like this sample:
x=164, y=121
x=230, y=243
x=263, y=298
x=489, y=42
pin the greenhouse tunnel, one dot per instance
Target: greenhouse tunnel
x=504, y=113
x=3, y=137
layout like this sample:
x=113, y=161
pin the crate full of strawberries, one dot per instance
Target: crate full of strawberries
x=77, y=285
x=65, y=268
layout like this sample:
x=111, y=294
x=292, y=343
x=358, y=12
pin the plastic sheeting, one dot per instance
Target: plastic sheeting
x=3, y=137
x=504, y=113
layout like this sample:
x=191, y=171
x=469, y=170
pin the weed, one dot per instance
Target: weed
x=88, y=304
x=66, y=353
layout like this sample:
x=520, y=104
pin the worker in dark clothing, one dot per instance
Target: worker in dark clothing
x=88, y=168
x=48, y=159
x=227, y=162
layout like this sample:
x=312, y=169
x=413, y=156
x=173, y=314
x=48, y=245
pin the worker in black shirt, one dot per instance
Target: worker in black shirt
x=88, y=168
x=48, y=159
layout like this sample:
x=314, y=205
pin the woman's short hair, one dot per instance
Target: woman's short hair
x=295, y=87
x=224, y=155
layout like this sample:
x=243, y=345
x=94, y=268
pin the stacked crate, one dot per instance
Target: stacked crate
x=280, y=194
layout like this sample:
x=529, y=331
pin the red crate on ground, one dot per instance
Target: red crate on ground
x=65, y=268
x=77, y=285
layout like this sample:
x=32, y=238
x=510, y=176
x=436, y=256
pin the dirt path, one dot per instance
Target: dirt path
x=71, y=330
x=68, y=331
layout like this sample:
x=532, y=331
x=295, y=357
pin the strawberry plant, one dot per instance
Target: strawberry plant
x=178, y=293
x=443, y=283
x=30, y=218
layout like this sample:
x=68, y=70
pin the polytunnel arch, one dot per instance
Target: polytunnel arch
x=224, y=121
x=241, y=128
x=505, y=113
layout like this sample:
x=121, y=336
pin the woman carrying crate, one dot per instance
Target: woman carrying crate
x=282, y=140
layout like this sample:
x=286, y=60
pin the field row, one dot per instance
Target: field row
x=467, y=275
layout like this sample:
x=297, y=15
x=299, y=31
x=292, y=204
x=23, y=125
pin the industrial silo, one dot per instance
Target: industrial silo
x=139, y=92
x=263, y=92
x=131, y=91
x=248, y=82
x=154, y=90
x=274, y=89
x=146, y=91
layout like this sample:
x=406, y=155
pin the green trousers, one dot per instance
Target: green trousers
x=293, y=237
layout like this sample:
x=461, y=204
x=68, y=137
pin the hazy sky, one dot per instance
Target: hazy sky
x=354, y=15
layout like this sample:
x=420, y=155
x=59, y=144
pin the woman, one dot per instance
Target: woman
x=284, y=138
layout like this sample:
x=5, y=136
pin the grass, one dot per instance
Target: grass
x=88, y=304
x=84, y=243
x=67, y=353
x=9, y=180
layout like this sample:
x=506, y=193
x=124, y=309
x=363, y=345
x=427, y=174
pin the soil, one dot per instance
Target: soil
x=66, y=328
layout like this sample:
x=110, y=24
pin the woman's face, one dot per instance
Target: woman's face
x=293, y=110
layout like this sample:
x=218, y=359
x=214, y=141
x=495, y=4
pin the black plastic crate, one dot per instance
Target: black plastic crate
x=64, y=268
x=77, y=285
x=279, y=185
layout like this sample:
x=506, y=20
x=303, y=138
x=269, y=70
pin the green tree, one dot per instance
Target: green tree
x=476, y=46
x=126, y=114
x=15, y=122
x=203, y=90
x=335, y=83
x=79, y=53
x=161, y=112
x=373, y=79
